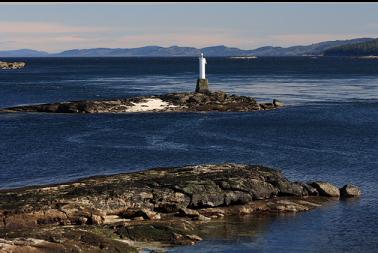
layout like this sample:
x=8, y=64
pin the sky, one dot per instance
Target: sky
x=55, y=27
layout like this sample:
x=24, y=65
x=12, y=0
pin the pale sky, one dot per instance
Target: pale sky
x=55, y=27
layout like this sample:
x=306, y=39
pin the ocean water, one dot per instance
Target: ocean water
x=327, y=131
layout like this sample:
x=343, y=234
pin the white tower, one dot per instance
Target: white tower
x=202, y=65
x=202, y=82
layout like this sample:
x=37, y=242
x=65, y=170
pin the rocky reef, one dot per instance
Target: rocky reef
x=172, y=102
x=12, y=65
x=127, y=212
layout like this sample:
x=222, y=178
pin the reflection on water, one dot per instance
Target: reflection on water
x=225, y=233
x=295, y=232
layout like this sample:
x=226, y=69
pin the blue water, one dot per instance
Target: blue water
x=327, y=131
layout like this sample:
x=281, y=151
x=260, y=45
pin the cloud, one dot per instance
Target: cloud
x=185, y=38
x=7, y=42
x=52, y=43
x=98, y=3
x=57, y=42
x=69, y=39
x=53, y=36
x=46, y=27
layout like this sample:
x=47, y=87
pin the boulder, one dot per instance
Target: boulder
x=267, y=106
x=311, y=191
x=183, y=99
x=287, y=188
x=137, y=213
x=96, y=220
x=277, y=103
x=202, y=218
x=350, y=191
x=219, y=96
x=190, y=213
x=326, y=189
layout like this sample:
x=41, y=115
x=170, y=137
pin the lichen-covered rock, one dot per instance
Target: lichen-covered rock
x=96, y=220
x=213, y=213
x=311, y=191
x=287, y=206
x=350, y=191
x=148, y=194
x=61, y=240
x=134, y=212
x=102, y=214
x=190, y=213
x=326, y=189
x=158, y=233
x=202, y=218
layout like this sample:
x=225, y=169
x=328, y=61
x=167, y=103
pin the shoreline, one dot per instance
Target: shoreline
x=162, y=206
x=171, y=102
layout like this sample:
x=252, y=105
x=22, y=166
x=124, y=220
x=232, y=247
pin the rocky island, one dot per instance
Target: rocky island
x=12, y=65
x=172, y=102
x=131, y=211
x=202, y=100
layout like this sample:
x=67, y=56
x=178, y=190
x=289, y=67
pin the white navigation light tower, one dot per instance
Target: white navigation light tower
x=202, y=66
x=202, y=82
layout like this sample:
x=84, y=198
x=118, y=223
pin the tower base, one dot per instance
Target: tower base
x=202, y=86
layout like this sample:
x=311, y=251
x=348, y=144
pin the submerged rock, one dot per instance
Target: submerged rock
x=116, y=213
x=172, y=102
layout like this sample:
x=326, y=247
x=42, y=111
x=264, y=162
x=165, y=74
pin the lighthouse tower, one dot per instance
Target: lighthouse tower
x=202, y=66
x=202, y=82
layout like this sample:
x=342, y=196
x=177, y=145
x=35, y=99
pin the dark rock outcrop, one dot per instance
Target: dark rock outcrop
x=277, y=103
x=172, y=102
x=163, y=205
x=350, y=191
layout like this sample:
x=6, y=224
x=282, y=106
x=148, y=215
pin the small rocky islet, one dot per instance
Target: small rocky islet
x=202, y=100
x=139, y=210
x=173, y=102
x=11, y=65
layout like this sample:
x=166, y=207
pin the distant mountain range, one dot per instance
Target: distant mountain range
x=23, y=53
x=175, y=51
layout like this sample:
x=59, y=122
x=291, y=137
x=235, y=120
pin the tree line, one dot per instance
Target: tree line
x=359, y=49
